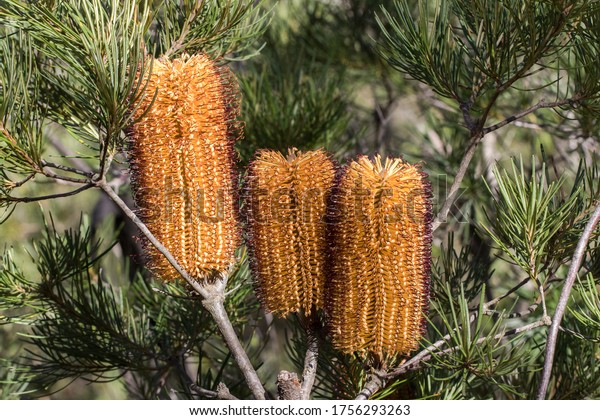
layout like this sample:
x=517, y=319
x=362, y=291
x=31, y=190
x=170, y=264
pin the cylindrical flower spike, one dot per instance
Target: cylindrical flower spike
x=380, y=235
x=183, y=165
x=286, y=209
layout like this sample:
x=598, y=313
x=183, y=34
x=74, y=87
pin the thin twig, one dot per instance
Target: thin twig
x=185, y=29
x=541, y=104
x=105, y=156
x=61, y=179
x=487, y=305
x=65, y=152
x=142, y=227
x=521, y=314
x=68, y=169
x=460, y=174
x=105, y=163
x=222, y=392
x=505, y=295
x=17, y=184
x=542, y=299
x=376, y=380
x=179, y=363
x=477, y=134
x=46, y=197
x=430, y=351
x=173, y=295
x=201, y=392
x=563, y=299
x=193, y=386
x=579, y=335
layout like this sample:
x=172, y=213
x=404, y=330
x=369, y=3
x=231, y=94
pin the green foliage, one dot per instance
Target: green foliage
x=89, y=50
x=81, y=64
x=214, y=27
x=289, y=100
x=418, y=78
x=83, y=324
x=17, y=291
x=19, y=93
x=466, y=50
x=13, y=381
x=463, y=273
x=575, y=374
x=586, y=312
x=585, y=52
x=339, y=376
x=532, y=217
x=343, y=33
x=577, y=371
x=481, y=358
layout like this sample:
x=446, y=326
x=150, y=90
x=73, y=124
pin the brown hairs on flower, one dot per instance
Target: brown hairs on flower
x=286, y=209
x=183, y=164
x=380, y=257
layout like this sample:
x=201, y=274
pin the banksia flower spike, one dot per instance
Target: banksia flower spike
x=286, y=208
x=183, y=165
x=380, y=257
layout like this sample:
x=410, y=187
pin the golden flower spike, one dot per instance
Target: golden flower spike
x=183, y=165
x=380, y=257
x=286, y=208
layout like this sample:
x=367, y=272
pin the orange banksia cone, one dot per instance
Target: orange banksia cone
x=380, y=232
x=286, y=208
x=183, y=165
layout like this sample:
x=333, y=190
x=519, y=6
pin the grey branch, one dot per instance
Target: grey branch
x=201, y=392
x=212, y=294
x=214, y=305
x=310, y=361
x=223, y=392
x=288, y=386
x=563, y=299
x=375, y=381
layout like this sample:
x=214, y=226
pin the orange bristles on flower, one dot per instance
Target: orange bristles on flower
x=183, y=165
x=380, y=257
x=286, y=208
